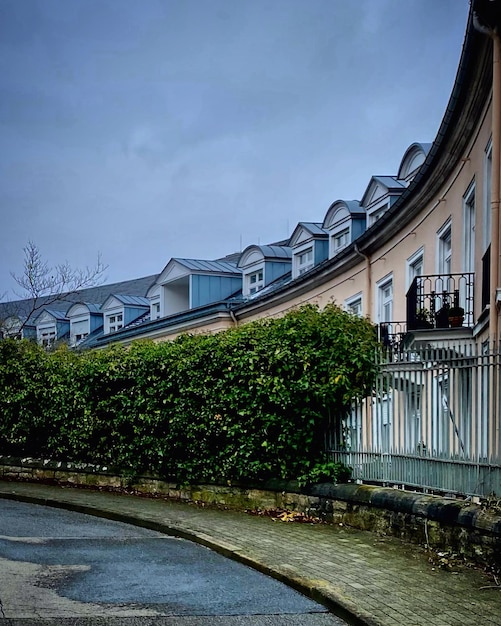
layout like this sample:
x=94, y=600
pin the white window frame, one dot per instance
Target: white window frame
x=469, y=229
x=377, y=211
x=304, y=260
x=344, y=236
x=155, y=310
x=412, y=263
x=254, y=281
x=354, y=304
x=383, y=301
x=444, y=249
x=114, y=321
x=47, y=336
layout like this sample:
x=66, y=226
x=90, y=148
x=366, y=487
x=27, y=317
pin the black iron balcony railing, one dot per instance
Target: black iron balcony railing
x=440, y=301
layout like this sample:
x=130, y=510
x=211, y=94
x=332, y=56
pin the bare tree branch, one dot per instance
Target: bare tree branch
x=44, y=285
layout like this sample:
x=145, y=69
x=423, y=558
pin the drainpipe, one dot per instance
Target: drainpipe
x=232, y=315
x=496, y=174
x=496, y=184
x=368, y=283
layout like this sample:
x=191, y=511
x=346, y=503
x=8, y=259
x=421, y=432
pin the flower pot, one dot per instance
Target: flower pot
x=456, y=321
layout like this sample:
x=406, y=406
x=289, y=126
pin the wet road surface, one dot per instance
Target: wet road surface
x=85, y=570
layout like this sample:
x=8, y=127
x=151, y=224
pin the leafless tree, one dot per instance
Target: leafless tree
x=42, y=285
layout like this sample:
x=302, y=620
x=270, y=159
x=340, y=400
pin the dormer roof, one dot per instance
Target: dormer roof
x=340, y=210
x=78, y=307
x=306, y=231
x=177, y=267
x=380, y=186
x=413, y=158
x=59, y=316
x=134, y=301
x=255, y=253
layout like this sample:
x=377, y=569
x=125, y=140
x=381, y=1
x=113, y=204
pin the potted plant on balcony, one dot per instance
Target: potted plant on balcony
x=456, y=316
x=423, y=319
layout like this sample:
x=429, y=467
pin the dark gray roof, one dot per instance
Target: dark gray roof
x=231, y=258
x=94, y=295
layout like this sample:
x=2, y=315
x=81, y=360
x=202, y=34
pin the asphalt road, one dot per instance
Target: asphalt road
x=81, y=570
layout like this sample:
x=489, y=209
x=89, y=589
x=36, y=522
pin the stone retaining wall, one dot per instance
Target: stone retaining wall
x=454, y=526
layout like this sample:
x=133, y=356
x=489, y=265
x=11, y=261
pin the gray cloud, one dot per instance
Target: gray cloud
x=187, y=127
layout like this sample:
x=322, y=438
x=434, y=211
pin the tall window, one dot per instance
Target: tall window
x=385, y=301
x=445, y=249
x=469, y=229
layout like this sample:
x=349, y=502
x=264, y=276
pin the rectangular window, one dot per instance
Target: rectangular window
x=354, y=305
x=115, y=322
x=445, y=250
x=305, y=261
x=469, y=229
x=373, y=218
x=340, y=240
x=385, y=301
x=255, y=281
x=48, y=337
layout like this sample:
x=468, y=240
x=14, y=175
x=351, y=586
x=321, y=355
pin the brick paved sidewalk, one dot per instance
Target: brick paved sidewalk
x=379, y=580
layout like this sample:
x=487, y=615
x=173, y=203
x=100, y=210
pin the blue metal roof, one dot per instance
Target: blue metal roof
x=58, y=315
x=91, y=307
x=315, y=228
x=131, y=300
x=269, y=252
x=201, y=265
x=390, y=182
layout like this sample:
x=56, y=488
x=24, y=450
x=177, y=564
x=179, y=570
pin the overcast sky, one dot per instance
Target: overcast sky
x=193, y=128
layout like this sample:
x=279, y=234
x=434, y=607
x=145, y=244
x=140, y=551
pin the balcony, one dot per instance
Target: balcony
x=440, y=301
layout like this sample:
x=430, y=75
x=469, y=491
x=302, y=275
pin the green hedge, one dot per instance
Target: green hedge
x=244, y=404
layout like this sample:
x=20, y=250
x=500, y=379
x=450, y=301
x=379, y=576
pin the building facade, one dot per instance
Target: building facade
x=419, y=254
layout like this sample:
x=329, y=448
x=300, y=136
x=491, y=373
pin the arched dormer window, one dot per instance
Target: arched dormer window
x=261, y=265
x=412, y=160
x=344, y=222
